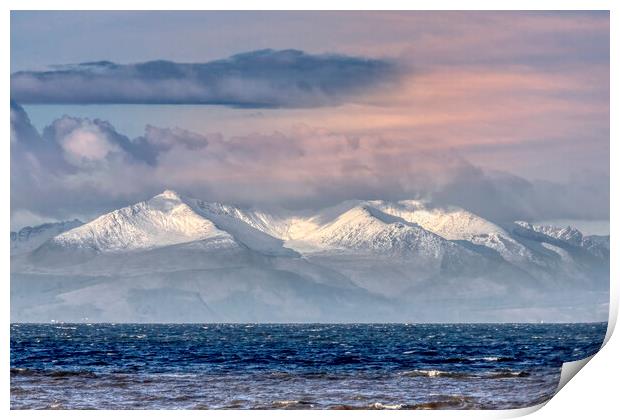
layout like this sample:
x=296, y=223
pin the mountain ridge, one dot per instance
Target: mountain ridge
x=387, y=260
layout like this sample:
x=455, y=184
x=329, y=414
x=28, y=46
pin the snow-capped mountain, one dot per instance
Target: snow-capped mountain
x=366, y=229
x=161, y=221
x=30, y=238
x=567, y=234
x=177, y=258
x=164, y=220
x=450, y=223
x=275, y=225
x=597, y=245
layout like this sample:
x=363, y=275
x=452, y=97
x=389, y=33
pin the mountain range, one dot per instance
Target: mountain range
x=175, y=258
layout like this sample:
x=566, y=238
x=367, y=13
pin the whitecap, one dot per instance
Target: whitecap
x=381, y=406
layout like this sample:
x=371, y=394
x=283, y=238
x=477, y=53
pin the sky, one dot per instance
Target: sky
x=504, y=113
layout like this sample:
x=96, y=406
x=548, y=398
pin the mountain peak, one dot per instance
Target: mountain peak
x=165, y=219
x=367, y=229
x=451, y=223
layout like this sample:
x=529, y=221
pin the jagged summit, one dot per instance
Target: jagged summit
x=567, y=233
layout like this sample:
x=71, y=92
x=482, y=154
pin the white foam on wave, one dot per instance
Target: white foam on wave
x=381, y=406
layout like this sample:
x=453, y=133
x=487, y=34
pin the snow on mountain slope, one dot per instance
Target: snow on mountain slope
x=29, y=238
x=161, y=221
x=366, y=229
x=284, y=225
x=564, y=255
x=511, y=250
x=253, y=229
x=192, y=260
x=308, y=232
x=406, y=227
x=458, y=224
x=375, y=226
x=596, y=246
x=169, y=219
x=450, y=223
x=567, y=234
x=272, y=224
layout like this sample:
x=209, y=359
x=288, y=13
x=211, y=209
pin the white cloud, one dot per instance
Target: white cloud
x=87, y=145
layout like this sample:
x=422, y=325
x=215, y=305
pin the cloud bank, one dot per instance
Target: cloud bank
x=82, y=167
x=258, y=79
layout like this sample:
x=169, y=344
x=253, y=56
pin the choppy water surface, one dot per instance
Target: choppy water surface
x=129, y=366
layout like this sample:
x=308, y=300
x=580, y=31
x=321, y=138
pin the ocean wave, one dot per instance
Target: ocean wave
x=452, y=402
x=509, y=374
x=274, y=366
x=463, y=360
x=381, y=406
x=70, y=373
x=496, y=359
x=291, y=404
x=346, y=360
x=304, y=375
x=22, y=372
x=52, y=373
x=433, y=373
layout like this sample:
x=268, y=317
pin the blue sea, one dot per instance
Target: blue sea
x=292, y=366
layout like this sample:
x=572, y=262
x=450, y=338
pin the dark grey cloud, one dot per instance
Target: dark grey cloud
x=503, y=197
x=79, y=167
x=258, y=79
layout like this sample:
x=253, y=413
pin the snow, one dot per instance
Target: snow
x=451, y=223
x=183, y=259
x=30, y=238
x=271, y=224
x=510, y=249
x=245, y=227
x=161, y=221
x=564, y=255
x=406, y=227
x=567, y=234
x=168, y=219
x=364, y=228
